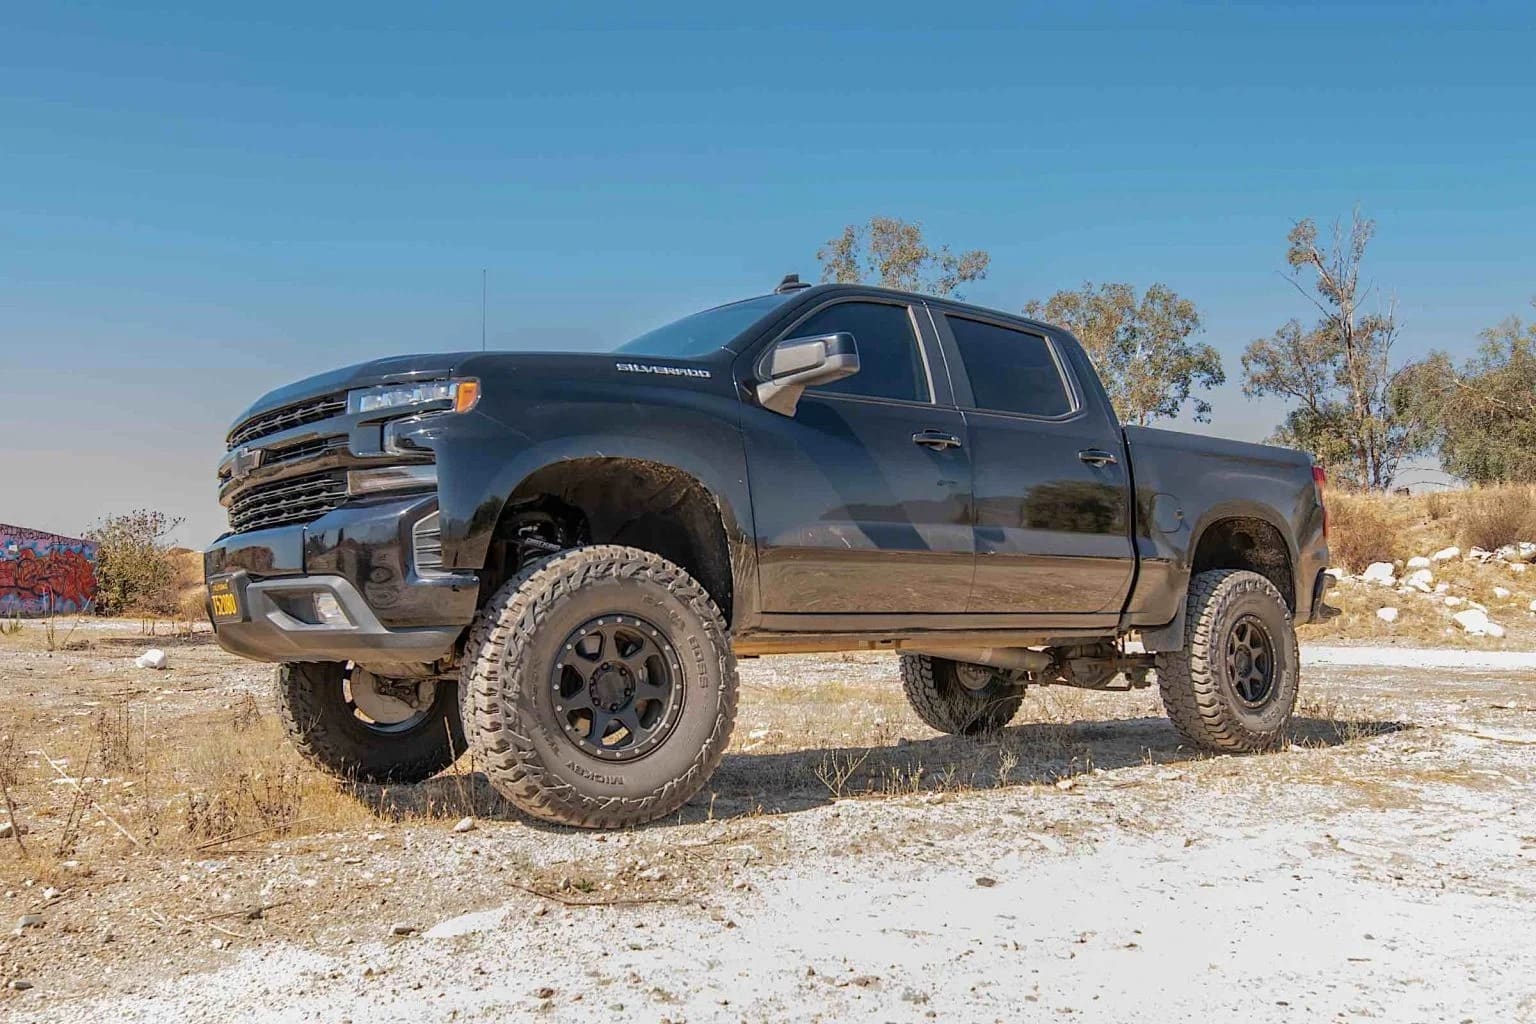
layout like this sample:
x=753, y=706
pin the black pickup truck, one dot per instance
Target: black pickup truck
x=555, y=559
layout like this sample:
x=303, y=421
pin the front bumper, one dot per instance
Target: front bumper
x=359, y=554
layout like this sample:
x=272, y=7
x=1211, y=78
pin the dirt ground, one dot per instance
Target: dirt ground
x=845, y=864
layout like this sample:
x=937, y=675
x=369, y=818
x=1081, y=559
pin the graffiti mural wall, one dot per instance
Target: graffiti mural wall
x=44, y=572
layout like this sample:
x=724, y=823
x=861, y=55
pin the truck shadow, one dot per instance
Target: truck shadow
x=758, y=782
x=1037, y=754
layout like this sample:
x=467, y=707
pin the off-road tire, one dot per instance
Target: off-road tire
x=515, y=732
x=1195, y=682
x=312, y=705
x=935, y=692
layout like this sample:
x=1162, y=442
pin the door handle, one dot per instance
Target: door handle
x=935, y=439
x=1097, y=457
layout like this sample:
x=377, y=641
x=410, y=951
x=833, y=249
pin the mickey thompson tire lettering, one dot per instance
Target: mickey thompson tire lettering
x=509, y=704
x=323, y=727
x=1196, y=681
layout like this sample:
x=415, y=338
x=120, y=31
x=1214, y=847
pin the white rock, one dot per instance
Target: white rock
x=1379, y=572
x=1387, y=614
x=1526, y=550
x=1453, y=601
x=1518, y=567
x=1502, y=593
x=1477, y=623
x=1335, y=572
x=1446, y=555
x=1442, y=587
x=465, y=825
x=153, y=658
x=1532, y=606
x=1419, y=576
x=1479, y=555
x=1418, y=562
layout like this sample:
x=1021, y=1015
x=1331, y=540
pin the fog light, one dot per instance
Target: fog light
x=329, y=611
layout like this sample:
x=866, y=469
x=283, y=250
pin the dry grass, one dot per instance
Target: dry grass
x=1366, y=528
x=126, y=780
x=1494, y=516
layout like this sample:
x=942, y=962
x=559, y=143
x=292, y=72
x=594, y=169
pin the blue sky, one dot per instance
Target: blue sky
x=196, y=206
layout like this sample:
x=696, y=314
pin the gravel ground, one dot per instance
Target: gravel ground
x=1382, y=867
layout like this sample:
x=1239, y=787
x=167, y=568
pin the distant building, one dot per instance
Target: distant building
x=45, y=573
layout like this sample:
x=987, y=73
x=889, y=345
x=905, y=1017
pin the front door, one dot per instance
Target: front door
x=1051, y=486
x=861, y=499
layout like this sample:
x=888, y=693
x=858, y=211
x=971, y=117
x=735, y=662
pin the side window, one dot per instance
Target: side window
x=890, y=362
x=1010, y=371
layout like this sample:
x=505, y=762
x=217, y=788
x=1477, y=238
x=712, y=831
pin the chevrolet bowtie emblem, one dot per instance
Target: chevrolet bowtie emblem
x=245, y=462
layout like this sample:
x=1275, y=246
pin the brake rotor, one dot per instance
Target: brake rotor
x=390, y=701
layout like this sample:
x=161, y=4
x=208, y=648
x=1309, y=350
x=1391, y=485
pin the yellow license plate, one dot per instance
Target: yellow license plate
x=222, y=597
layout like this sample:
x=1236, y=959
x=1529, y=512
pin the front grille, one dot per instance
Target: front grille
x=299, y=499
x=308, y=411
x=305, y=450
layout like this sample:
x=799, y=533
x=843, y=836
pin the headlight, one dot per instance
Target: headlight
x=461, y=394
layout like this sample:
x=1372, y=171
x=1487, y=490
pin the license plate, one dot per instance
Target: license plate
x=224, y=600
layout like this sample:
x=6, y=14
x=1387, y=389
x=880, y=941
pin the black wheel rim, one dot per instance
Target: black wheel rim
x=617, y=687
x=1251, y=662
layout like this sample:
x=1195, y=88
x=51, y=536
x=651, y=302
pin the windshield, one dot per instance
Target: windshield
x=704, y=332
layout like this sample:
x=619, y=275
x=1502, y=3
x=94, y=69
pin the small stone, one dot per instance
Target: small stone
x=1442, y=587
x=51, y=893
x=1452, y=601
x=12, y=829
x=758, y=734
x=1501, y=593
x=153, y=658
x=20, y=984
x=1380, y=573
x=1446, y=554
x=1418, y=562
x=29, y=921
x=465, y=825
x=375, y=837
x=912, y=995
x=402, y=928
x=1387, y=614
x=219, y=944
x=1065, y=783
x=985, y=882
x=543, y=992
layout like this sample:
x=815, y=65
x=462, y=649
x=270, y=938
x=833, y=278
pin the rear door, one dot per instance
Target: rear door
x=1052, y=492
x=861, y=499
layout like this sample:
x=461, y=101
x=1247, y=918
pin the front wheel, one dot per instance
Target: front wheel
x=599, y=687
x=1233, y=686
x=366, y=728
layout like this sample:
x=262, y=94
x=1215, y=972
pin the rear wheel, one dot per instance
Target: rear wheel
x=1233, y=687
x=957, y=697
x=358, y=726
x=600, y=687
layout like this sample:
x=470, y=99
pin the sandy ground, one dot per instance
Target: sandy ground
x=1081, y=865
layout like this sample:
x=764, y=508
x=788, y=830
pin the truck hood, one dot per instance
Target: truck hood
x=393, y=370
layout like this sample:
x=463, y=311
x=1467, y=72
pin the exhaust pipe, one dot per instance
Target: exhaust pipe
x=1018, y=658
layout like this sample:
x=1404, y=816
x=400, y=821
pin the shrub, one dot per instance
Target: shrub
x=136, y=569
x=1491, y=517
x=1362, y=530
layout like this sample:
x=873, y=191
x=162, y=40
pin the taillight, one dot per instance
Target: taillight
x=1320, y=479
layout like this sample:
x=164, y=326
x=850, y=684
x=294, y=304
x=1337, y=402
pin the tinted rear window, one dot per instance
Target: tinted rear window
x=1010, y=371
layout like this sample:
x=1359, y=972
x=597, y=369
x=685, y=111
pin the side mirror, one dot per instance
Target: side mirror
x=795, y=364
